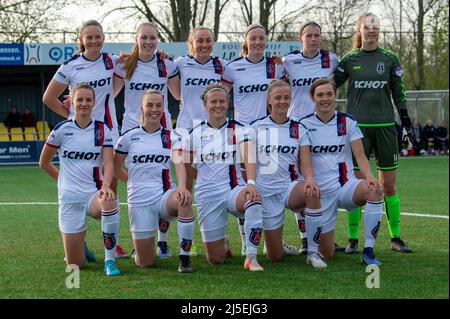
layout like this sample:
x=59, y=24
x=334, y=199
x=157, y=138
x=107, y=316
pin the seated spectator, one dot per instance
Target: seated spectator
x=429, y=135
x=442, y=139
x=28, y=118
x=417, y=129
x=13, y=119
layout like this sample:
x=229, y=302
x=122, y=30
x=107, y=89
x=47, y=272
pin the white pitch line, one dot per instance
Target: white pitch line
x=125, y=204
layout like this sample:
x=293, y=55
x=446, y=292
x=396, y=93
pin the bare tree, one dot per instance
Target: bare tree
x=416, y=16
x=338, y=17
x=277, y=26
x=218, y=9
x=174, y=18
x=24, y=20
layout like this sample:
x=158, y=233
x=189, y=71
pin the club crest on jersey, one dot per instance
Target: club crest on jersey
x=217, y=66
x=108, y=62
x=99, y=133
x=165, y=138
x=255, y=236
x=186, y=244
x=109, y=240
x=341, y=129
x=293, y=130
x=380, y=68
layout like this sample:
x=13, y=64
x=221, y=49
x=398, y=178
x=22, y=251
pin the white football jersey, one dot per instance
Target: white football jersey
x=216, y=157
x=80, y=158
x=153, y=74
x=194, y=78
x=302, y=72
x=331, y=152
x=99, y=75
x=250, y=83
x=148, y=162
x=277, y=150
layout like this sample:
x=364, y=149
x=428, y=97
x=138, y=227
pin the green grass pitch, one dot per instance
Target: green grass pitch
x=32, y=253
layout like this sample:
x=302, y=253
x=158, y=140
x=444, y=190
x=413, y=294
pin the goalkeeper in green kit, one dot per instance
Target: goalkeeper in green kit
x=375, y=80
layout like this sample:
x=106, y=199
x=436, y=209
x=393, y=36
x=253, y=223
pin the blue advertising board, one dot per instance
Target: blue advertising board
x=11, y=54
x=28, y=152
x=56, y=54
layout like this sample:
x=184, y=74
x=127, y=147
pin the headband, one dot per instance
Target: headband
x=215, y=89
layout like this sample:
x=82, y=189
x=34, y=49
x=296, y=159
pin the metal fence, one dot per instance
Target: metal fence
x=422, y=106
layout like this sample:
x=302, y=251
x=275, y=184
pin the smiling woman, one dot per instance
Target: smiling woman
x=85, y=151
x=93, y=66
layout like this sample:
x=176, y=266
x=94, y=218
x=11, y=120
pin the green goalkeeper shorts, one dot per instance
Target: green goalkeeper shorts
x=382, y=142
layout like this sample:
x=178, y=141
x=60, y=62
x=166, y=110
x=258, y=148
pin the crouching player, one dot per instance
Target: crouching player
x=277, y=144
x=331, y=137
x=215, y=148
x=147, y=151
x=85, y=147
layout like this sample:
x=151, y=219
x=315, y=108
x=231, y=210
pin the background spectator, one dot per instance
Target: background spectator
x=429, y=135
x=13, y=119
x=28, y=118
x=417, y=128
x=441, y=138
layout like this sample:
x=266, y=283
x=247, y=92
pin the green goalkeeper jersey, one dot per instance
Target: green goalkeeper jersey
x=374, y=76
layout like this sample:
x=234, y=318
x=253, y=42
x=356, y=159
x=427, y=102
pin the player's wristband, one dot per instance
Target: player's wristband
x=251, y=182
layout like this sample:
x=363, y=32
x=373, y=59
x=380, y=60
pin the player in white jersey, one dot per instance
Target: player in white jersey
x=96, y=68
x=196, y=71
x=277, y=144
x=249, y=77
x=331, y=137
x=302, y=68
x=147, y=151
x=215, y=148
x=84, y=146
x=145, y=69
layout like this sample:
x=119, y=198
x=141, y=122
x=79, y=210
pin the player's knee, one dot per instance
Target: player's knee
x=313, y=202
x=275, y=257
x=328, y=254
x=215, y=260
x=373, y=196
x=78, y=262
x=389, y=189
x=145, y=263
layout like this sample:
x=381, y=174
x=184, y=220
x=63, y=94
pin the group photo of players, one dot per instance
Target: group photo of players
x=286, y=149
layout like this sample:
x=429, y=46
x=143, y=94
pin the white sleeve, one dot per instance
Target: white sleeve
x=54, y=139
x=108, y=141
x=244, y=134
x=354, y=131
x=285, y=68
x=178, y=62
x=228, y=74
x=63, y=74
x=304, y=135
x=119, y=72
x=334, y=61
x=172, y=69
x=280, y=71
x=177, y=141
x=122, y=145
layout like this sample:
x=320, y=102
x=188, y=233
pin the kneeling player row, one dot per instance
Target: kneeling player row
x=273, y=181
